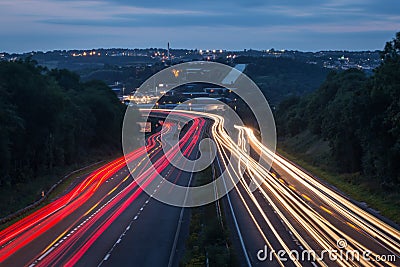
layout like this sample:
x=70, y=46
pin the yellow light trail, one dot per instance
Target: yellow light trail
x=291, y=204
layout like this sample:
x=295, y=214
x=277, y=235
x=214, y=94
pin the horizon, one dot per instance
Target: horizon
x=199, y=133
x=189, y=49
x=330, y=25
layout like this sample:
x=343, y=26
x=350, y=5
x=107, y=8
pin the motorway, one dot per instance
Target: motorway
x=291, y=219
x=84, y=226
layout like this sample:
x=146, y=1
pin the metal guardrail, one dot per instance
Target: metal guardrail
x=46, y=195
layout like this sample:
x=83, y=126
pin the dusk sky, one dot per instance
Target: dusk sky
x=31, y=25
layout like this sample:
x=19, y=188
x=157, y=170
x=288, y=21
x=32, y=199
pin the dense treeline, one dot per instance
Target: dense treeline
x=50, y=119
x=130, y=76
x=281, y=77
x=358, y=115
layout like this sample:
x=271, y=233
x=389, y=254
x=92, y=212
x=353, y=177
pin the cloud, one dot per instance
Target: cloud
x=151, y=13
x=251, y=21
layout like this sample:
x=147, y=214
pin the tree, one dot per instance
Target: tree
x=50, y=119
x=391, y=51
x=358, y=115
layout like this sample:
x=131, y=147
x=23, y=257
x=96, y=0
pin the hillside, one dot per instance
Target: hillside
x=353, y=121
x=50, y=121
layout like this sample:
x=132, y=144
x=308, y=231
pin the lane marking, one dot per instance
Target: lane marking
x=306, y=197
x=325, y=209
x=45, y=254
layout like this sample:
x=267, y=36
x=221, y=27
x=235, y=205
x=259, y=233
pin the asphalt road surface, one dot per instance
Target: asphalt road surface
x=290, y=219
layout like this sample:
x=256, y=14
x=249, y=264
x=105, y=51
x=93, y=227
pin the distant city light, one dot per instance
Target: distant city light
x=176, y=73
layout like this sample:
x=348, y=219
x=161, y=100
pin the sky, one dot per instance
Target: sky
x=307, y=25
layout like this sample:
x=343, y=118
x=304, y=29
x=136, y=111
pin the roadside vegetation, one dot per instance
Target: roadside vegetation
x=208, y=243
x=61, y=187
x=51, y=123
x=348, y=132
x=281, y=77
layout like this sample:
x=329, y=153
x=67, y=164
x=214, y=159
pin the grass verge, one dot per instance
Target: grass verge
x=387, y=203
x=208, y=243
x=31, y=192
